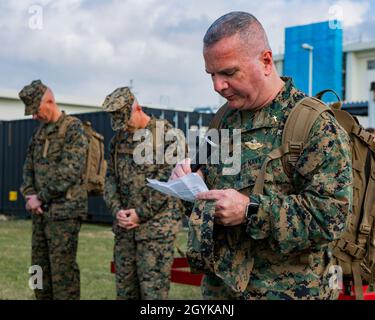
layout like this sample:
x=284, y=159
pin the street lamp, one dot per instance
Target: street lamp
x=310, y=49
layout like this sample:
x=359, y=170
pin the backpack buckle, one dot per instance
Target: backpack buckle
x=363, y=134
x=295, y=147
x=365, y=229
x=360, y=253
x=351, y=249
x=357, y=130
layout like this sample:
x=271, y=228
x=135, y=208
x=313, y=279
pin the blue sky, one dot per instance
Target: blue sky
x=88, y=48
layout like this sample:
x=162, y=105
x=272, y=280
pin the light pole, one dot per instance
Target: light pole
x=310, y=49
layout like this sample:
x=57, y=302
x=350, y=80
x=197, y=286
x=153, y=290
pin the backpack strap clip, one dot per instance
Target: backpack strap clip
x=351, y=248
x=365, y=136
x=365, y=229
x=295, y=146
x=294, y=152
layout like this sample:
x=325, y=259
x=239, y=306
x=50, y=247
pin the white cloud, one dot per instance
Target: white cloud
x=88, y=48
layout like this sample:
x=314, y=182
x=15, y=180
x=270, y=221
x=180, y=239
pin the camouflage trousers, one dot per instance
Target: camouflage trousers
x=213, y=288
x=143, y=267
x=54, y=249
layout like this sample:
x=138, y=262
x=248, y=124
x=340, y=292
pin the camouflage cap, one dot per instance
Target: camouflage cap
x=119, y=104
x=31, y=95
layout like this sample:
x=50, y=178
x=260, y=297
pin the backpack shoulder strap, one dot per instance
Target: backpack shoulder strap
x=115, y=145
x=218, y=117
x=37, y=134
x=295, y=134
x=65, y=124
x=298, y=126
x=363, y=135
x=37, y=131
x=60, y=133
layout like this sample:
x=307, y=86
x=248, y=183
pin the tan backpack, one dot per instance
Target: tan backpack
x=96, y=165
x=355, y=251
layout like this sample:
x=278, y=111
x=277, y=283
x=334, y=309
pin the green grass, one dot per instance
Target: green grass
x=95, y=252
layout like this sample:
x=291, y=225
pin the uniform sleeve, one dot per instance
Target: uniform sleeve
x=111, y=193
x=158, y=202
x=161, y=172
x=318, y=213
x=27, y=187
x=69, y=170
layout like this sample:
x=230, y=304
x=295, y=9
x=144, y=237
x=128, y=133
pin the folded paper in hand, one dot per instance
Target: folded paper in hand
x=184, y=188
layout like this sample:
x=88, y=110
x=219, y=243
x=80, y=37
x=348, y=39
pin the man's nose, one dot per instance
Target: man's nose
x=220, y=84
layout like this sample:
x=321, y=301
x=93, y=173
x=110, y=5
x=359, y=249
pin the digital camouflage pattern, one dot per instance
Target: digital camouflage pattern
x=283, y=252
x=32, y=95
x=144, y=266
x=159, y=216
x=54, y=249
x=119, y=104
x=53, y=171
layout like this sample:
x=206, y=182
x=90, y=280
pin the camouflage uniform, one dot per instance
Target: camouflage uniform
x=54, y=175
x=144, y=255
x=282, y=252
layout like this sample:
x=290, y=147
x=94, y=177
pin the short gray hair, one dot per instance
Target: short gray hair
x=236, y=22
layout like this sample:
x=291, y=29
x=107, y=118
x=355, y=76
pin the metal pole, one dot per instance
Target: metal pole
x=187, y=124
x=310, y=71
x=175, y=119
x=310, y=48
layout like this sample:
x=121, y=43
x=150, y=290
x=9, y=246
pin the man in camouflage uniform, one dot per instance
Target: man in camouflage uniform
x=54, y=191
x=146, y=221
x=275, y=245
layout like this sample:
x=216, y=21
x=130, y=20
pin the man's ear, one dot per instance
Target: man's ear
x=267, y=62
x=137, y=107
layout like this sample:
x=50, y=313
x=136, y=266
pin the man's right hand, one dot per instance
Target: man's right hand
x=33, y=204
x=121, y=215
x=124, y=220
x=182, y=169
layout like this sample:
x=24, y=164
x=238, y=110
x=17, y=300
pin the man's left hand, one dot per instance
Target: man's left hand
x=230, y=206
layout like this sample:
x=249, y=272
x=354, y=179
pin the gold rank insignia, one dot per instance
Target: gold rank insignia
x=253, y=144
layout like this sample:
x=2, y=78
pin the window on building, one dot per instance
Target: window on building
x=371, y=64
